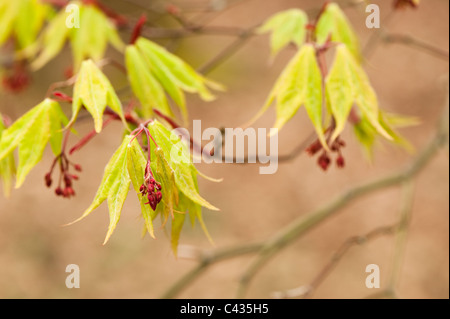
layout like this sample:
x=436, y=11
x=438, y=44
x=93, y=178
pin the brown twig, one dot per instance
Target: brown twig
x=267, y=249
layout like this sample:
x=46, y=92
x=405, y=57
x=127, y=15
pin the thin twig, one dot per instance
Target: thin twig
x=399, y=228
x=402, y=232
x=307, y=291
x=302, y=225
x=416, y=43
x=206, y=260
x=228, y=52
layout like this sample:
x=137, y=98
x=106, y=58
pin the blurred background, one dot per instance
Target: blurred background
x=35, y=249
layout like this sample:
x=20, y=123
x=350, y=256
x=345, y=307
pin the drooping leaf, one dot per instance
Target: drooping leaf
x=90, y=40
x=30, y=134
x=389, y=123
x=146, y=88
x=287, y=27
x=7, y=167
x=194, y=210
x=113, y=188
x=57, y=118
x=177, y=226
x=160, y=70
x=8, y=13
x=51, y=41
x=348, y=84
x=22, y=19
x=136, y=169
x=94, y=91
x=300, y=84
x=334, y=23
x=367, y=134
x=177, y=156
x=165, y=175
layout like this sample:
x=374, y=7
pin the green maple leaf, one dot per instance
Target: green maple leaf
x=347, y=84
x=7, y=167
x=136, y=163
x=299, y=84
x=367, y=135
x=178, y=180
x=114, y=188
x=22, y=19
x=334, y=23
x=144, y=84
x=94, y=91
x=30, y=134
x=90, y=40
x=152, y=71
x=286, y=27
x=178, y=158
x=166, y=176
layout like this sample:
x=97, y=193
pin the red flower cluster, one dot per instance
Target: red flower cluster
x=152, y=189
x=65, y=177
x=324, y=160
x=16, y=80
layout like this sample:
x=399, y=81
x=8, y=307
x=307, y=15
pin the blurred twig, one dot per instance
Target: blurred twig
x=399, y=229
x=268, y=249
x=308, y=290
x=415, y=43
x=301, y=226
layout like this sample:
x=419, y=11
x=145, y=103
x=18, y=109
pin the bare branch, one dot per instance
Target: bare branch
x=301, y=226
x=306, y=291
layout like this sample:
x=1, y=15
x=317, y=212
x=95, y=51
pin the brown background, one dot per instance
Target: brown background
x=35, y=249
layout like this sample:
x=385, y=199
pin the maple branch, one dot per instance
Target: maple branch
x=295, y=230
x=207, y=259
x=306, y=291
x=302, y=225
x=229, y=51
x=415, y=43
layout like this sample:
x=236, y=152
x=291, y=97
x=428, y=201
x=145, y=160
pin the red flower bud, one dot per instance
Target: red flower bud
x=340, y=162
x=78, y=168
x=67, y=181
x=314, y=148
x=324, y=161
x=48, y=180
x=59, y=191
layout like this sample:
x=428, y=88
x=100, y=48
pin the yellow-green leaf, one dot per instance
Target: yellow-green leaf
x=22, y=19
x=94, y=91
x=90, y=40
x=287, y=27
x=52, y=40
x=145, y=86
x=334, y=23
x=32, y=14
x=348, y=84
x=151, y=65
x=7, y=167
x=30, y=134
x=136, y=169
x=177, y=155
x=300, y=84
x=177, y=226
x=113, y=188
x=165, y=175
x=8, y=13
